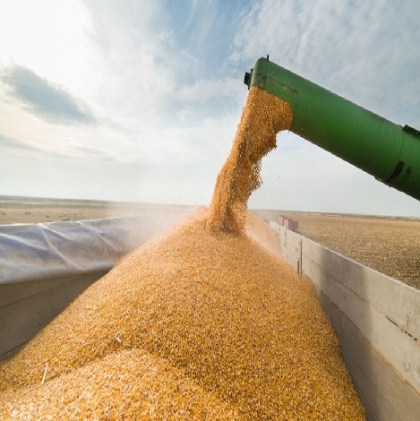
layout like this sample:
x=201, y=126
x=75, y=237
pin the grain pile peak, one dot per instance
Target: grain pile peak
x=189, y=326
x=263, y=117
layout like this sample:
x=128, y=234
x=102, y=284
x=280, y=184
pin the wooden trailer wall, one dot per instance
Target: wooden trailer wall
x=377, y=320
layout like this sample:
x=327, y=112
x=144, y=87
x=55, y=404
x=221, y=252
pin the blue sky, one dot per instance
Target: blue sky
x=139, y=100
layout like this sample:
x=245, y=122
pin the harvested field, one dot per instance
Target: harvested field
x=31, y=210
x=388, y=245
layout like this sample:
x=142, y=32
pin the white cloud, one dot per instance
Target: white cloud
x=43, y=98
x=201, y=16
x=130, y=75
x=164, y=83
x=205, y=90
x=365, y=51
x=47, y=36
x=301, y=176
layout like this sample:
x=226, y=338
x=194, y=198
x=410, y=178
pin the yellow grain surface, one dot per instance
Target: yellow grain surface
x=233, y=319
x=130, y=384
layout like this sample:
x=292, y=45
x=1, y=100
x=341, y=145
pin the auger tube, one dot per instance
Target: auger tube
x=389, y=152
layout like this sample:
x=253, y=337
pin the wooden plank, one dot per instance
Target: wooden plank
x=400, y=302
x=383, y=385
x=21, y=320
x=290, y=258
x=291, y=247
x=291, y=241
x=385, y=395
x=402, y=351
x=275, y=226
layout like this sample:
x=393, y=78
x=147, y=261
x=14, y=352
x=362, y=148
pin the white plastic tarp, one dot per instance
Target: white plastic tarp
x=39, y=251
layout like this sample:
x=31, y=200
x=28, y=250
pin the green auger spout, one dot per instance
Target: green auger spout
x=389, y=152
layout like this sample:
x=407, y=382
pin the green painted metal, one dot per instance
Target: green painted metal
x=389, y=152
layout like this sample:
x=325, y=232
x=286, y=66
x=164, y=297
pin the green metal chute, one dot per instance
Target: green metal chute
x=388, y=151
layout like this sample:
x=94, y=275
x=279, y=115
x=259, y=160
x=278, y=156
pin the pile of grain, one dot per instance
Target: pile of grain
x=199, y=324
x=244, y=335
x=263, y=117
x=130, y=384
